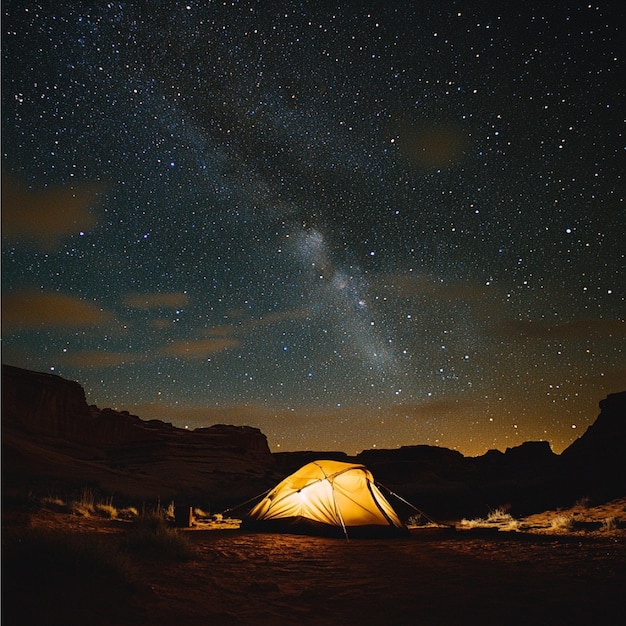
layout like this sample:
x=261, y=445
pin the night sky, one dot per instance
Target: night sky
x=351, y=225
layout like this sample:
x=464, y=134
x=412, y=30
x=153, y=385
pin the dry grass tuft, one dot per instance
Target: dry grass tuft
x=80, y=509
x=106, y=510
x=152, y=536
x=499, y=515
x=53, y=503
x=84, y=506
x=128, y=513
x=563, y=522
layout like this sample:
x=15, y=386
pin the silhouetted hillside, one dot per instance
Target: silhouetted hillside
x=51, y=438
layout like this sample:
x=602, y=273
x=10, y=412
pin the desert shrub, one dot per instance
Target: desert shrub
x=170, y=511
x=498, y=518
x=106, y=510
x=84, y=505
x=53, y=502
x=87, y=498
x=499, y=514
x=79, y=509
x=418, y=520
x=473, y=523
x=562, y=522
x=129, y=512
x=151, y=535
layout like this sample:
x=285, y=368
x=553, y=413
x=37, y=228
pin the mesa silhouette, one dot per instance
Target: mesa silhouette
x=52, y=440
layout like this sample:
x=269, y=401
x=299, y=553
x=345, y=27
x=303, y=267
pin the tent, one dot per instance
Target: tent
x=327, y=498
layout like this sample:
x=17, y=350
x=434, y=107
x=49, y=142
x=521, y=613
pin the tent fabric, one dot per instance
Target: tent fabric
x=326, y=498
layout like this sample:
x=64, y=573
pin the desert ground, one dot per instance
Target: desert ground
x=558, y=567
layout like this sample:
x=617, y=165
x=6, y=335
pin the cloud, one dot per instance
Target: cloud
x=148, y=301
x=430, y=288
x=226, y=336
x=280, y=316
x=431, y=145
x=246, y=326
x=95, y=359
x=225, y=330
x=161, y=323
x=43, y=218
x=576, y=329
x=40, y=310
x=200, y=348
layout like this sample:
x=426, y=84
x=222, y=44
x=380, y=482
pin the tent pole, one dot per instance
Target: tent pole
x=343, y=524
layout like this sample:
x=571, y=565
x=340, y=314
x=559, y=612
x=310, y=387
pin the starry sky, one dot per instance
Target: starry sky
x=351, y=225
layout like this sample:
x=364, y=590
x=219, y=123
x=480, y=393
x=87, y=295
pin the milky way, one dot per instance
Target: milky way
x=349, y=227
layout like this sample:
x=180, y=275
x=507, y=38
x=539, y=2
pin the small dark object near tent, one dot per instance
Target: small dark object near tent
x=327, y=498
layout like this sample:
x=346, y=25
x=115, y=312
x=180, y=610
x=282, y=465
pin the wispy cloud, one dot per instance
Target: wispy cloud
x=31, y=309
x=149, y=301
x=245, y=326
x=95, y=359
x=430, y=288
x=227, y=336
x=200, y=348
x=278, y=317
x=431, y=145
x=44, y=218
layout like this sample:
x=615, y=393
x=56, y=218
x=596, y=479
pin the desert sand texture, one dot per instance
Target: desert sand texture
x=559, y=567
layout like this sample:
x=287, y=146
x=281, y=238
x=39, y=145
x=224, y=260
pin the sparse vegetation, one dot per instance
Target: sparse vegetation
x=128, y=513
x=106, y=510
x=53, y=503
x=563, y=522
x=84, y=506
x=498, y=518
x=170, y=511
x=79, y=509
x=200, y=514
x=151, y=535
x=499, y=515
x=472, y=523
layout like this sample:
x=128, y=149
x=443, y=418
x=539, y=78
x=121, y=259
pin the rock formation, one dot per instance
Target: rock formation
x=51, y=435
x=596, y=462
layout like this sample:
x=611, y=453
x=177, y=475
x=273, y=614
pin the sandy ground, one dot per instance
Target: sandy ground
x=539, y=573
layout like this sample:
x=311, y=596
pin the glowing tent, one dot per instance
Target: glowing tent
x=327, y=498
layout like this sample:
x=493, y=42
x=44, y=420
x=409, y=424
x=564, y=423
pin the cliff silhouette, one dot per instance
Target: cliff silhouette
x=53, y=440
